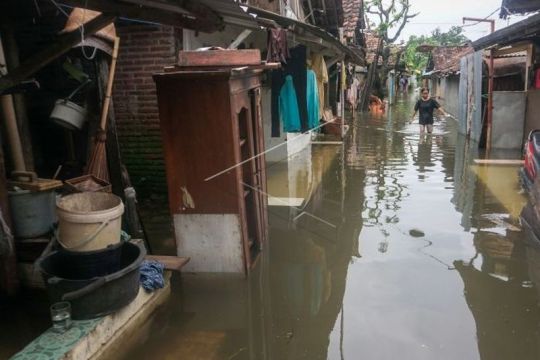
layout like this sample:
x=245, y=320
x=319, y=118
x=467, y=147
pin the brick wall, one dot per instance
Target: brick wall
x=144, y=50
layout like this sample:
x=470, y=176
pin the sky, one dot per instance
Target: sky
x=446, y=13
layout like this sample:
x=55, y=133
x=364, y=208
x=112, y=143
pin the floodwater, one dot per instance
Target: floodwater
x=397, y=247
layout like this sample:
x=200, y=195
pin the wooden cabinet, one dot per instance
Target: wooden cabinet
x=213, y=144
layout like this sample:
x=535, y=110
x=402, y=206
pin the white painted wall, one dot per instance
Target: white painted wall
x=295, y=142
x=212, y=241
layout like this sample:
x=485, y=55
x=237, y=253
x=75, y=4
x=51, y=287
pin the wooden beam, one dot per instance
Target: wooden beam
x=203, y=13
x=52, y=52
x=151, y=11
x=243, y=36
x=170, y=262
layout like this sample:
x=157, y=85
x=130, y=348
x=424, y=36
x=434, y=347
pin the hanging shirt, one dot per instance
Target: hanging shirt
x=312, y=97
x=319, y=66
x=278, y=50
x=296, y=67
x=288, y=106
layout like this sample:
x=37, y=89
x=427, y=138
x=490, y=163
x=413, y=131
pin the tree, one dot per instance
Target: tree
x=417, y=61
x=392, y=15
x=453, y=37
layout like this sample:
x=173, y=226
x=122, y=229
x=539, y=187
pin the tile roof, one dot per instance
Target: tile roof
x=353, y=17
x=446, y=59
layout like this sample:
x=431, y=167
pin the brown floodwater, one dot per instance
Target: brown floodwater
x=347, y=274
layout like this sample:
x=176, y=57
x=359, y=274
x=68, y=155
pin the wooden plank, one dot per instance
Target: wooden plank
x=174, y=263
x=498, y=162
x=243, y=36
x=52, y=52
x=151, y=14
x=37, y=185
x=219, y=58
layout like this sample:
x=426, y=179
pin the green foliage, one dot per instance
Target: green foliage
x=416, y=61
x=452, y=37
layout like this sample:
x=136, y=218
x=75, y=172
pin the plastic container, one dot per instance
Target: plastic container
x=32, y=212
x=89, y=221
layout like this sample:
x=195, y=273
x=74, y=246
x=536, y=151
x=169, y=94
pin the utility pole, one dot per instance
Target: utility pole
x=491, y=72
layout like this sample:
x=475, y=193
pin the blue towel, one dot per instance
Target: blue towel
x=152, y=275
x=312, y=95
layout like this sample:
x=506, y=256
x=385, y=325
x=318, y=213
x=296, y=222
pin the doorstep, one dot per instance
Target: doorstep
x=97, y=338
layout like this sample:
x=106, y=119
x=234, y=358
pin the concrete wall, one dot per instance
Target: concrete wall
x=508, y=119
x=212, y=241
x=532, y=116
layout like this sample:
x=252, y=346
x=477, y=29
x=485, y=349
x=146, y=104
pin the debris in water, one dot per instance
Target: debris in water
x=501, y=220
x=416, y=233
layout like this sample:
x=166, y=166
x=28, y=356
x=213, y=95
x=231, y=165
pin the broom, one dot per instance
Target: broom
x=97, y=163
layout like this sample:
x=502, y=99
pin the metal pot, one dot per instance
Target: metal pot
x=93, y=297
x=68, y=114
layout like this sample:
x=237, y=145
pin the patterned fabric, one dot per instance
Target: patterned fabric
x=52, y=345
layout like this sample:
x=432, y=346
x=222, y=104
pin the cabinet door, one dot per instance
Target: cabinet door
x=248, y=186
x=260, y=161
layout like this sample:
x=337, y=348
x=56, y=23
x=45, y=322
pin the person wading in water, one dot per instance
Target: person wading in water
x=425, y=106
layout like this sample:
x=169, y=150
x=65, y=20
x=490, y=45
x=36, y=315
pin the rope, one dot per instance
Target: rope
x=81, y=30
x=151, y=277
x=7, y=232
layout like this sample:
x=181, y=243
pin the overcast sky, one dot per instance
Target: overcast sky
x=446, y=13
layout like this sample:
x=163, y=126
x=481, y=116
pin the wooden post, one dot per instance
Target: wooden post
x=9, y=117
x=364, y=99
x=9, y=283
x=11, y=53
x=530, y=53
x=113, y=150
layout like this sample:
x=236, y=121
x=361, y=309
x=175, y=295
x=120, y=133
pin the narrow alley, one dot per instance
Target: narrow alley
x=401, y=248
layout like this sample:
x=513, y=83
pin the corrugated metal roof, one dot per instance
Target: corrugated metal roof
x=523, y=30
x=510, y=7
x=232, y=12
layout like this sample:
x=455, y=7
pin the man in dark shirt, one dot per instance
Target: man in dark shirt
x=425, y=107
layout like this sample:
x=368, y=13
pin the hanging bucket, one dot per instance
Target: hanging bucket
x=89, y=221
x=68, y=114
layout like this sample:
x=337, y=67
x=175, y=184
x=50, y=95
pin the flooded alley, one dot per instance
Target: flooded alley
x=397, y=246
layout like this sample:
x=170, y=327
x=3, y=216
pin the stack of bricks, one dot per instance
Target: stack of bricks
x=144, y=51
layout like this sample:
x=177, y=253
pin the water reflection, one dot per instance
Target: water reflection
x=342, y=278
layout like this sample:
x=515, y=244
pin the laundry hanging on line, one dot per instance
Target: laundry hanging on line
x=296, y=68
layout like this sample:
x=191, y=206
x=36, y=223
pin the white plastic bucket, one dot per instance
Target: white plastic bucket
x=89, y=221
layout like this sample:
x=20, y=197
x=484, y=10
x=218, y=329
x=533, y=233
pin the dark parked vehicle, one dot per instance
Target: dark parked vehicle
x=531, y=167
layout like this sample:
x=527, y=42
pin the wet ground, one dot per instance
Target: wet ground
x=399, y=248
